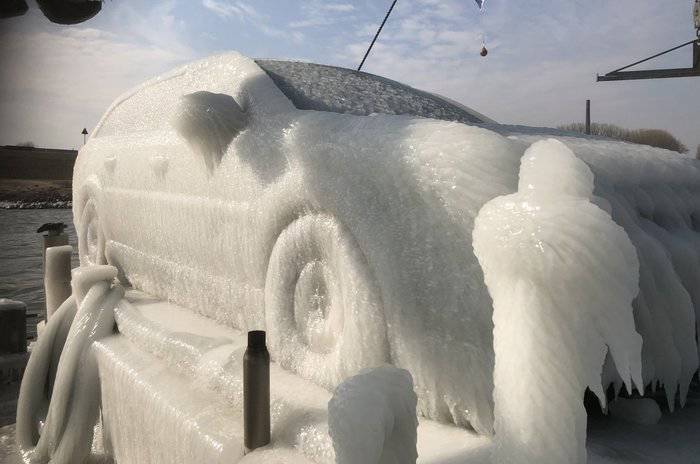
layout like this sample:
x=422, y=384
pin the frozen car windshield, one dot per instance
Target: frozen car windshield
x=327, y=88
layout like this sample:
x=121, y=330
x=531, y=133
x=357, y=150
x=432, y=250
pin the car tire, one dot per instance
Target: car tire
x=323, y=310
x=91, y=240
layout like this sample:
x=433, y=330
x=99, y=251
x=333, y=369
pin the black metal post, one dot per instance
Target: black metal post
x=588, y=117
x=256, y=392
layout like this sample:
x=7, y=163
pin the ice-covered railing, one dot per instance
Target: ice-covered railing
x=61, y=376
x=562, y=276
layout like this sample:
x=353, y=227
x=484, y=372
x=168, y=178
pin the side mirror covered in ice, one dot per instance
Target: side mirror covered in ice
x=209, y=122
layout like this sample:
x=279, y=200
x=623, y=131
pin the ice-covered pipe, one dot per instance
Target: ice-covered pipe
x=562, y=276
x=57, y=277
x=74, y=395
x=372, y=418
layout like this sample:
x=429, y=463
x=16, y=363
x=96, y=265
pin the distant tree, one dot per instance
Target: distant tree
x=26, y=144
x=652, y=137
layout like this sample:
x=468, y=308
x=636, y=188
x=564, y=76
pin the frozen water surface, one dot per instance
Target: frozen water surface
x=347, y=235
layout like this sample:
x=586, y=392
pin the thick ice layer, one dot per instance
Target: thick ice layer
x=321, y=227
x=372, y=418
x=562, y=276
x=346, y=237
x=62, y=364
x=655, y=196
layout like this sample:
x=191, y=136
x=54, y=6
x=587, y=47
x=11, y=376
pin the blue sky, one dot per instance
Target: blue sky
x=543, y=56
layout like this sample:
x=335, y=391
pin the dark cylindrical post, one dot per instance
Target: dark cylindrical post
x=256, y=391
x=588, y=117
x=13, y=327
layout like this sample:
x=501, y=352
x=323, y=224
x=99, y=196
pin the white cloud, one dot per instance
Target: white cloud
x=542, y=60
x=57, y=80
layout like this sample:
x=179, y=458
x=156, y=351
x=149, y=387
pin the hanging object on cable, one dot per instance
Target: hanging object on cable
x=484, y=51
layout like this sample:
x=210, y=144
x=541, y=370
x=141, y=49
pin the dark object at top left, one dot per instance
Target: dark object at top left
x=53, y=228
x=57, y=11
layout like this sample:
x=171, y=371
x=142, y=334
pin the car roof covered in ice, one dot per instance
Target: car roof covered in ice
x=319, y=87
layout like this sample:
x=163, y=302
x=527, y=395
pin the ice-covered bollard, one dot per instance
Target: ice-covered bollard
x=57, y=276
x=13, y=326
x=562, y=276
x=372, y=418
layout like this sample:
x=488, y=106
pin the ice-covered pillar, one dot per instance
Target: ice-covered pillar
x=372, y=418
x=57, y=277
x=562, y=276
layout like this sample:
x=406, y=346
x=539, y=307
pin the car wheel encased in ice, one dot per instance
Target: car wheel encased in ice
x=323, y=310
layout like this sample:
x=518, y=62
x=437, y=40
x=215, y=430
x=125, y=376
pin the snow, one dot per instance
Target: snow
x=562, y=276
x=372, y=418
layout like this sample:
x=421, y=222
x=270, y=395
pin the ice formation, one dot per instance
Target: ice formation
x=63, y=365
x=655, y=196
x=372, y=418
x=349, y=237
x=562, y=276
x=346, y=237
x=57, y=277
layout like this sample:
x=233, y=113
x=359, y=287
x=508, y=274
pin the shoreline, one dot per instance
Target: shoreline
x=4, y=204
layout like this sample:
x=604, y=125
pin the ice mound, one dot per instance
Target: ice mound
x=654, y=195
x=63, y=365
x=372, y=418
x=562, y=276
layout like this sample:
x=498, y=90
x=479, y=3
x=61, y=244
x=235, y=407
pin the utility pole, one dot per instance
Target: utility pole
x=588, y=117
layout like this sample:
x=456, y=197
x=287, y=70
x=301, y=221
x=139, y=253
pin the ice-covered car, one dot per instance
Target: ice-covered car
x=345, y=236
x=335, y=210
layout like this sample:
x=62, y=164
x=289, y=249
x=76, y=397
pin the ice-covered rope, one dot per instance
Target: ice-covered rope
x=562, y=276
x=63, y=351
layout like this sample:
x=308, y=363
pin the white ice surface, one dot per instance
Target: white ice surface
x=299, y=419
x=349, y=237
x=562, y=276
x=372, y=418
